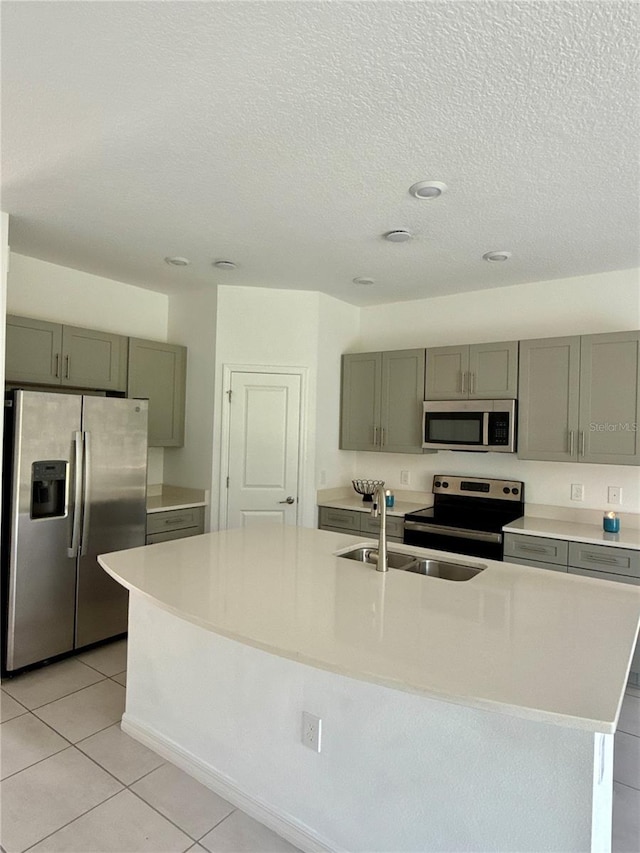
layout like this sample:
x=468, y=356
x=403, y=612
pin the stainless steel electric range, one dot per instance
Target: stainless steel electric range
x=467, y=516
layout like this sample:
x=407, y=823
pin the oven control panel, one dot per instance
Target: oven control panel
x=473, y=487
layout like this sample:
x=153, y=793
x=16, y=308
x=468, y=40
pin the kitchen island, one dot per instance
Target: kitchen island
x=456, y=716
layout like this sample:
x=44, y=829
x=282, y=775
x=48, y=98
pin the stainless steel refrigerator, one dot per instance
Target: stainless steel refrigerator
x=75, y=488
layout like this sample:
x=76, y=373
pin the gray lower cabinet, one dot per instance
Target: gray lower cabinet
x=472, y=372
x=174, y=524
x=536, y=548
x=354, y=521
x=580, y=399
x=44, y=353
x=381, y=401
x=157, y=371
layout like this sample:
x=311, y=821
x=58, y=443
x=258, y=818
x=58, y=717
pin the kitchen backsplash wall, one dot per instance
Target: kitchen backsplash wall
x=545, y=482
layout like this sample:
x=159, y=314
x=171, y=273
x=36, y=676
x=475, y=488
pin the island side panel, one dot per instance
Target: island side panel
x=397, y=771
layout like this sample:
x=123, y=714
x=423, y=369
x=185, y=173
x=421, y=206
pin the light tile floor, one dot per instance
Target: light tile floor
x=73, y=782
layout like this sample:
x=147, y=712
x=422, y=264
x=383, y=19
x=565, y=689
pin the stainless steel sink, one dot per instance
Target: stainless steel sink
x=395, y=559
x=445, y=569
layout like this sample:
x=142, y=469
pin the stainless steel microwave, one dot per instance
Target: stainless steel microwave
x=479, y=425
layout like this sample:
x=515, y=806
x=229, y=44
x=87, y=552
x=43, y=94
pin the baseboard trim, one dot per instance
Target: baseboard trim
x=291, y=830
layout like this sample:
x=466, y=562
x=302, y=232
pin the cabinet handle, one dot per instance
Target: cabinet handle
x=375, y=436
x=609, y=561
x=381, y=436
x=66, y=367
x=534, y=549
x=57, y=367
x=582, y=440
x=463, y=374
x=571, y=441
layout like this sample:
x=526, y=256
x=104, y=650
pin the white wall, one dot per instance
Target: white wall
x=297, y=329
x=582, y=305
x=192, y=323
x=50, y=292
x=338, y=327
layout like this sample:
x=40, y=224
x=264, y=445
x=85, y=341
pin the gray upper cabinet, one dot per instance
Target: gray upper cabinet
x=93, y=359
x=610, y=398
x=382, y=401
x=157, y=371
x=475, y=372
x=580, y=399
x=548, y=402
x=34, y=350
x=40, y=352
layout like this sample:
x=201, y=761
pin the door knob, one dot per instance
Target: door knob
x=288, y=500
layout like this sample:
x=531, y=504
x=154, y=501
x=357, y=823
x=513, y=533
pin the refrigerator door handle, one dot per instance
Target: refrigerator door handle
x=86, y=497
x=77, y=494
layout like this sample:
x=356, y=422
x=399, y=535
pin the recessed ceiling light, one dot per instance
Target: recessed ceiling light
x=178, y=262
x=400, y=236
x=225, y=265
x=428, y=189
x=363, y=280
x=496, y=256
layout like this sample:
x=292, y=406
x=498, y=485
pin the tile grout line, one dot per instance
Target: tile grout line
x=626, y=785
x=71, y=693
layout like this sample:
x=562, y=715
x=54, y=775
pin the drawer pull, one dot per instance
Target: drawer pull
x=534, y=549
x=175, y=520
x=609, y=561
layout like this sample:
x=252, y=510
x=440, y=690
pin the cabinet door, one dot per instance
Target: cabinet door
x=401, y=401
x=447, y=373
x=360, y=403
x=493, y=371
x=157, y=371
x=93, y=359
x=33, y=351
x=548, y=399
x=610, y=398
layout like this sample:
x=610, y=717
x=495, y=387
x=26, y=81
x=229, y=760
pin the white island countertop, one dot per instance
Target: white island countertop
x=539, y=645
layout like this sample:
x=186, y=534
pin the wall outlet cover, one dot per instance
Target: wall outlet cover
x=614, y=494
x=404, y=478
x=311, y=731
x=577, y=492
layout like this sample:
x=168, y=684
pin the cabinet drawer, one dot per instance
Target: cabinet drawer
x=535, y=548
x=520, y=561
x=176, y=519
x=168, y=535
x=599, y=558
x=395, y=525
x=346, y=519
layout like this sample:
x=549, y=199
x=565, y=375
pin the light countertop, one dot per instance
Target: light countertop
x=355, y=502
x=539, y=645
x=165, y=498
x=591, y=534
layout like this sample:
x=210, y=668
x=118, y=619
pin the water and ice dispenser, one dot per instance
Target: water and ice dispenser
x=48, y=488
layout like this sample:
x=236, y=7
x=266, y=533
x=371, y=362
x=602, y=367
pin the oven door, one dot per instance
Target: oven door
x=456, y=540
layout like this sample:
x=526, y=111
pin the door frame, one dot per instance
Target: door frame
x=290, y=370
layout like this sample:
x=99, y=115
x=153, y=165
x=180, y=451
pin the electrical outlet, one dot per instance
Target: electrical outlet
x=404, y=478
x=614, y=495
x=577, y=492
x=311, y=731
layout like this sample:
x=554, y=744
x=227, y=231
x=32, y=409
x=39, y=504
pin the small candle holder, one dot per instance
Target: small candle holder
x=611, y=522
x=389, y=498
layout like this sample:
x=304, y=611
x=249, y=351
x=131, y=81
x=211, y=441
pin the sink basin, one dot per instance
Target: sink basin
x=447, y=570
x=395, y=559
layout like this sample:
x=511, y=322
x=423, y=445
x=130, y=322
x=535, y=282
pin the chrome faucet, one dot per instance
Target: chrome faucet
x=380, y=508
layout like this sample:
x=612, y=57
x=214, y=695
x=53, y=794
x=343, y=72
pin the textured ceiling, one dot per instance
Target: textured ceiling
x=285, y=136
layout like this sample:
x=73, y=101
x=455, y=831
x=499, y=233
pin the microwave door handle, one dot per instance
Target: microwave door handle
x=485, y=429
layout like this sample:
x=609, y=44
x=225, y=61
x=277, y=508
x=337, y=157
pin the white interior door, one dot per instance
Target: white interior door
x=264, y=441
